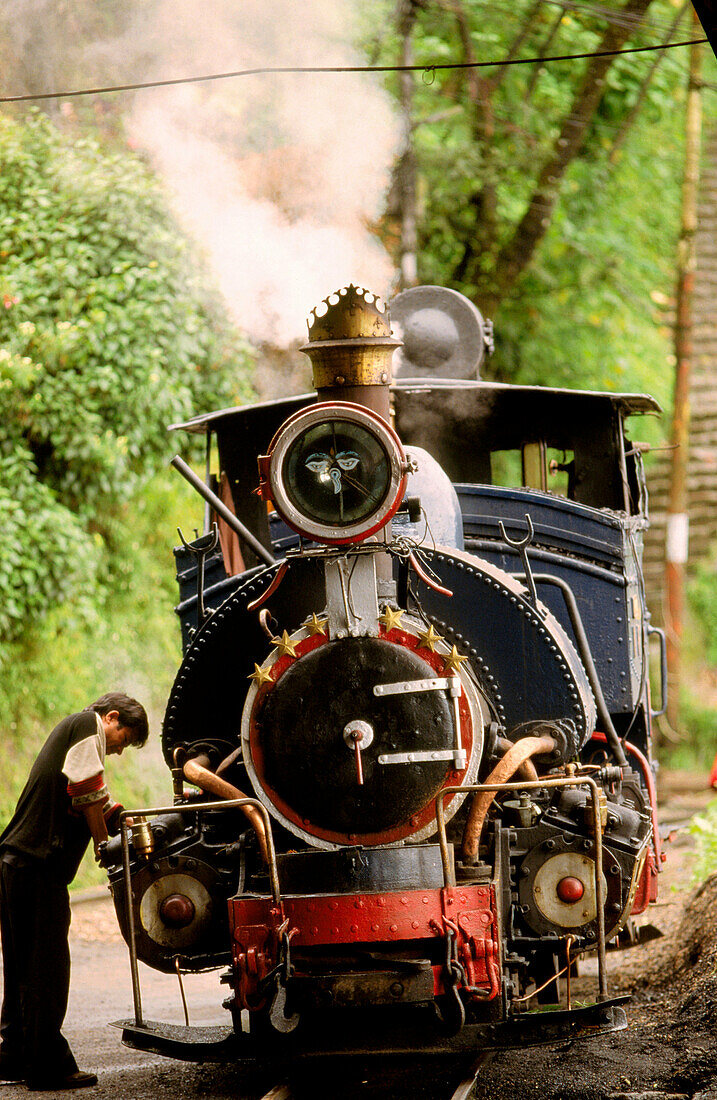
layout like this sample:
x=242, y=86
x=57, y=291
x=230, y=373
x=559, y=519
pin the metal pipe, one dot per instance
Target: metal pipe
x=506, y=767
x=181, y=990
x=201, y=807
x=586, y=656
x=231, y=758
x=599, y=888
x=527, y=769
x=154, y=812
x=571, y=781
x=197, y=771
x=124, y=831
x=221, y=509
x=207, y=475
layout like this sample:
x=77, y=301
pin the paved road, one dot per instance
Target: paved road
x=102, y=991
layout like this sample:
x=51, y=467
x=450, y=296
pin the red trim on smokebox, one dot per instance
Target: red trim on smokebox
x=418, y=821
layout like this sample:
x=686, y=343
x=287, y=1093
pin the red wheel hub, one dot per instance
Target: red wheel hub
x=177, y=911
x=570, y=889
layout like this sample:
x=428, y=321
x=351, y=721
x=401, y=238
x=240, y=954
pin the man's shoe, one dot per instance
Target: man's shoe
x=77, y=1080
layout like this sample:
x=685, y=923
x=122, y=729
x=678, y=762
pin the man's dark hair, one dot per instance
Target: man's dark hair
x=131, y=713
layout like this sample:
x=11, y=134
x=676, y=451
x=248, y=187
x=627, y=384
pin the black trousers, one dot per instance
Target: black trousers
x=35, y=922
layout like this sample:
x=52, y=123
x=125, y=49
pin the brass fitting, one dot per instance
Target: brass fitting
x=142, y=836
x=350, y=342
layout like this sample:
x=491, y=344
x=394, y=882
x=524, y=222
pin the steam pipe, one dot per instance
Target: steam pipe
x=527, y=769
x=505, y=768
x=581, y=638
x=221, y=509
x=196, y=771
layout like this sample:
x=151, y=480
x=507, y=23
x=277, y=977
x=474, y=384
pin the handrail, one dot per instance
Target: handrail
x=651, y=631
x=581, y=638
x=201, y=807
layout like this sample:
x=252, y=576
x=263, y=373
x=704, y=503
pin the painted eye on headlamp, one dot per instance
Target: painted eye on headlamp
x=336, y=472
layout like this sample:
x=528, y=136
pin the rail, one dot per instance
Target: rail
x=229, y=804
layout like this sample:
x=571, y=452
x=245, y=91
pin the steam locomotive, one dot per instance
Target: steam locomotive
x=413, y=707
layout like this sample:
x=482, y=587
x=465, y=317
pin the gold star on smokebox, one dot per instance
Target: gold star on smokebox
x=454, y=660
x=390, y=618
x=285, y=645
x=260, y=676
x=315, y=625
x=429, y=638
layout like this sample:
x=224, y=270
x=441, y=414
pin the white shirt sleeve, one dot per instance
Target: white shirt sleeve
x=84, y=768
x=83, y=761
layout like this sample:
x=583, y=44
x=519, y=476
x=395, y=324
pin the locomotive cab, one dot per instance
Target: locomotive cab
x=417, y=668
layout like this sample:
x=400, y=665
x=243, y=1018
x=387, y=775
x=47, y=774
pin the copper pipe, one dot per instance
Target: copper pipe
x=196, y=771
x=229, y=760
x=505, y=768
x=527, y=769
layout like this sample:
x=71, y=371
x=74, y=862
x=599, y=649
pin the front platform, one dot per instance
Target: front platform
x=367, y=1037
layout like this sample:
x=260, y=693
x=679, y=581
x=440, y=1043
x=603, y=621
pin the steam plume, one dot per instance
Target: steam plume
x=277, y=176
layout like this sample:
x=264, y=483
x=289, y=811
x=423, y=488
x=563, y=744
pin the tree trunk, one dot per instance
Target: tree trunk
x=516, y=256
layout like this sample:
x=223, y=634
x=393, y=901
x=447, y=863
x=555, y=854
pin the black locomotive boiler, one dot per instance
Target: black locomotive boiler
x=413, y=708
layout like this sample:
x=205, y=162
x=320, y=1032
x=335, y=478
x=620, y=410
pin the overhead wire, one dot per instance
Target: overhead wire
x=428, y=70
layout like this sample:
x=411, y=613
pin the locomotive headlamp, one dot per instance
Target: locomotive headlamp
x=336, y=472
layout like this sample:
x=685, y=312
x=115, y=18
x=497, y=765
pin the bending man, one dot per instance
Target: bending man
x=64, y=804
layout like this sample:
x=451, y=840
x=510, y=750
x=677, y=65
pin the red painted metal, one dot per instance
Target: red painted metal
x=329, y=921
x=255, y=930
x=425, y=577
x=271, y=589
x=570, y=889
x=646, y=887
x=177, y=910
x=356, y=737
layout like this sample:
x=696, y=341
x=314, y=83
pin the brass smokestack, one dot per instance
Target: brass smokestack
x=350, y=347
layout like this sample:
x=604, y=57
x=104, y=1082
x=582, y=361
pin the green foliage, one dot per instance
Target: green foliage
x=704, y=828
x=584, y=312
x=696, y=750
x=108, y=333
x=702, y=595
x=128, y=642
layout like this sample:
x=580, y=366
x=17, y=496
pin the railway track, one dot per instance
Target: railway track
x=464, y=1089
